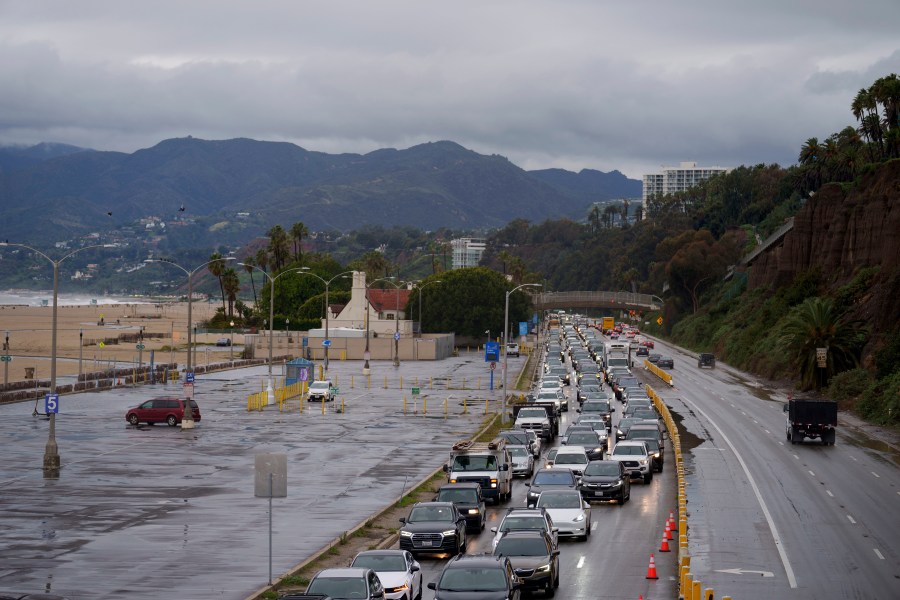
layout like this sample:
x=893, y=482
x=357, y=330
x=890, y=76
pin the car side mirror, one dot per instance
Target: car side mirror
x=446, y=468
x=578, y=410
x=785, y=408
x=493, y=530
x=612, y=409
x=403, y=520
x=432, y=585
x=527, y=484
x=415, y=568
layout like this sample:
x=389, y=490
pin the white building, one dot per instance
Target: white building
x=380, y=308
x=467, y=252
x=676, y=179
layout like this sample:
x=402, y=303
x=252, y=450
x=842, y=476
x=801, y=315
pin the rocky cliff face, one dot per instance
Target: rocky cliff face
x=840, y=231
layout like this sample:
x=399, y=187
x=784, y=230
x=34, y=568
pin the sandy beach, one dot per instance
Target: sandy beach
x=29, y=330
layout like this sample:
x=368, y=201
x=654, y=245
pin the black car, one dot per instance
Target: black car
x=549, y=478
x=425, y=529
x=600, y=407
x=594, y=447
x=480, y=576
x=706, y=360
x=624, y=425
x=588, y=387
x=642, y=351
x=665, y=362
x=534, y=559
x=517, y=437
x=468, y=500
x=606, y=480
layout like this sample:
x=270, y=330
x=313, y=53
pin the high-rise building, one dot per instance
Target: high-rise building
x=467, y=252
x=676, y=179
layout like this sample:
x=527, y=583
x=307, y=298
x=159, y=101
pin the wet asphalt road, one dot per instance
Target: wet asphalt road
x=157, y=512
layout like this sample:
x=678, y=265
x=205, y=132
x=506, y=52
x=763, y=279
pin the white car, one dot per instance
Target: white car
x=570, y=513
x=573, y=458
x=635, y=457
x=399, y=572
x=321, y=391
x=555, y=395
x=522, y=461
x=512, y=349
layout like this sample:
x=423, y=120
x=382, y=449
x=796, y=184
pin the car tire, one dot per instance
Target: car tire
x=133, y=419
x=171, y=421
x=549, y=589
x=419, y=593
x=648, y=477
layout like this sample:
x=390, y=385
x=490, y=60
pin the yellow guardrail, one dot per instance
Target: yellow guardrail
x=664, y=375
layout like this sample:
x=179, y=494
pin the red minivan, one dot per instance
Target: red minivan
x=166, y=409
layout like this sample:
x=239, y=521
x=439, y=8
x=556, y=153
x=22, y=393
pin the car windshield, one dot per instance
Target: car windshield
x=570, y=459
x=595, y=407
x=602, y=469
x=454, y=495
x=644, y=434
x=431, y=513
x=532, y=413
x=380, y=562
x=523, y=546
x=559, y=500
x=339, y=587
x=516, y=438
x=517, y=451
x=319, y=385
x=628, y=451
x=472, y=579
x=548, y=477
x=523, y=524
x=582, y=439
x=464, y=462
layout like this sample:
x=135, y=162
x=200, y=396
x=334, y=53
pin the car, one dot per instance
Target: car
x=649, y=343
x=706, y=360
x=606, y=480
x=549, y=478
x=635, y=457
x=346, y=583
x=642, y=351
x=555, y=395
x=525, y=519
x=665, y=362
x=518, y=437
x=512, y=349
x=587, y=388
x=468, y=499
x=594, y=422
x=624, y=425
x=534, y=559
x=223, y=342
x=589, y=439
x=599, y=407
x=651, y=434
x=637, y=404
x=522, y=461
x=480, y=576
x=562, y=372
x=654, y=357
x=321, y=390
x=571, y=457
x=570, y=513
x=164, y=409
x=433, y=527
x=399, y=572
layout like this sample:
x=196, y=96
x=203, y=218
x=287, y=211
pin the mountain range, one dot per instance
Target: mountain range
x=230, y=191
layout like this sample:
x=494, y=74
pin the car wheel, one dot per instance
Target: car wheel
x=648, y=477
x=133, y=419
x=549, y=590
x=171, y=421
x=660, y=466
x=419, y=593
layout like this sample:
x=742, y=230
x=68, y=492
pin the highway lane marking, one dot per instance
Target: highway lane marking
x=876, y=474
x=580, y=563
x=779, y=545
x=878, y=554
x=781, y=443
x=829, y=493
x=767, y=431
x=853, y=458
x=851, y=519
x=811, y=473
x=795, y=456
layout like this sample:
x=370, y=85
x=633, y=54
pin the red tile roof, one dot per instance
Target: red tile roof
x=386, y=300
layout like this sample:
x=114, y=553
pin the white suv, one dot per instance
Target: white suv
x=635, y=457
x=512, y=349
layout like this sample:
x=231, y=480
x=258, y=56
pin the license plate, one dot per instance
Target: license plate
x=426, y=543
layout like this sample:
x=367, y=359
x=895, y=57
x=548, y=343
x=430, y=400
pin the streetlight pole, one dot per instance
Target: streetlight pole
x=231, y=344
x=187, y=419
x=506, y=340
x=396, y=320
x=51, y=451
x=421, y=287
x=306, y=271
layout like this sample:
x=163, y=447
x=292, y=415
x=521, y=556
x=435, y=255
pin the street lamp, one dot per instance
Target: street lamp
x=506, y=339
x=306, y=271
x=187, y=419
x=51, y=451
x=231, y=344
x=389, y=280
x=421, y=287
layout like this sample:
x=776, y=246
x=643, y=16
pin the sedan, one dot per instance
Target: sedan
x=522, y=461
x=570, y=513
x=398, y=571
x=347, y=584
x=665, y=362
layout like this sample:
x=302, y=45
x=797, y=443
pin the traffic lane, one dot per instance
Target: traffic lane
x=802, y=510
x=167, y=499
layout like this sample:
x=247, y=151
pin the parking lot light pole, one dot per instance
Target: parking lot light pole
x=421, y=287
x=389, y=280
x=306, y=271
x=506, y=340
x=187, y=419
x=51, y=450
x=231, y=344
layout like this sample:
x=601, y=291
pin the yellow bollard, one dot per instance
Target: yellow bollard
x=682, y=575
x=708, y=594
x=445, y=407
x=352, y=384
x=385, y=382
x=425, y=405
x=336, y=382
x=687, y=586
x=323, y=407
x=401, y=382
x=368, y=382
x=404, y=405
x=465, y=410
x=343, y=355
x=342, y=406
x=486, y=406
x=698, y=591
x=478, y=384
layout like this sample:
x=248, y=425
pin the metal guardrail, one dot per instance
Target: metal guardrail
x=548, y=300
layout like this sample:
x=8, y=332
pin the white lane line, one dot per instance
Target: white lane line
x=829, y=493
x=876, y=474
x=767, y=431
x=580, y=563
x=878, y=554
x=851, y=519
x=853, y=458
x=755, y=422
x=797, y=457
x=789, y=571
x=811, y=473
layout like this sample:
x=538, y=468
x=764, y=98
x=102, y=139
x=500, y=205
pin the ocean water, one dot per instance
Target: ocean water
x=39, y=298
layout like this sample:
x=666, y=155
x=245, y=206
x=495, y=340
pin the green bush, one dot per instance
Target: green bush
x=846, y=388
x=880, y=403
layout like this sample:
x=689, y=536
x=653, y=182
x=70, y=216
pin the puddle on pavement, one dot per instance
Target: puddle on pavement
x=880, y=450
x=689, y=441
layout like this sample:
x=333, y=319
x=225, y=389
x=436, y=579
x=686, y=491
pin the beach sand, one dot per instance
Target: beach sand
x=29, y=330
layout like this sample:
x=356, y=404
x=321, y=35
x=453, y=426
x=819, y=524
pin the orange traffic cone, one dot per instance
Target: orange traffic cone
x=671, y=520
x=667, y=534
x=651, y=570
x=664, y=546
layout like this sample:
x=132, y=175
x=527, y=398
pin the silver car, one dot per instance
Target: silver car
x=522, y=461
x=570, y=513
x=398, y=571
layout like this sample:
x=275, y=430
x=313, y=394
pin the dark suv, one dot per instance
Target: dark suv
x=433, y=527
x=168, y=410
x=549, y=478
x=468, y=500
x=479, y=576
x=534, y=559
x=706, y=360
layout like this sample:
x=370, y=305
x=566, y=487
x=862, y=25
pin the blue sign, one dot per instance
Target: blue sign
x=523, y=328
x=326, y=343
x=397, y=335
x=189, y=377
x=534, y=318
x=51, y=403
x=491, y=351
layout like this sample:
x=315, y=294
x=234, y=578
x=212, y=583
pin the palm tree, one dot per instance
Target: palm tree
x=249, y=266
x=262, y=259
x=504, y=257
x=298, y=232
x=217, y=268
x=810, y=152
x=594, y=218
x=231, y=285
x=817, y=324
x=278, y=247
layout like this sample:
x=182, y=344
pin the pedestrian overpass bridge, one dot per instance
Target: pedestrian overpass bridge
x=584, y=300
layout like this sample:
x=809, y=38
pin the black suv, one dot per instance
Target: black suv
x=425, y=528
x=534, y=559
x=706, y=360
x=549, y=478
x=481, y=576
x=606, y=480
x=468, y=500
x=599, y=407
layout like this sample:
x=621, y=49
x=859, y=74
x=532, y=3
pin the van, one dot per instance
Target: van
x=488, y=464
x=169, y=410
x=706, y=360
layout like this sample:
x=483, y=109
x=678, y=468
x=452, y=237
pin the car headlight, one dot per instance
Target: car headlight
x=619, y=432
x=452, y=481
x=448, y=532
x=473, y=511
x=598, y=449
x=656, y=455
x=394, y=590
x=642, y=461
x=404, y=533
x=616, y=483
x=579, y=518
x=543, y=569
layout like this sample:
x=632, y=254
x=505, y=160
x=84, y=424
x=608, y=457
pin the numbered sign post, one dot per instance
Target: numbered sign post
x=51, y=403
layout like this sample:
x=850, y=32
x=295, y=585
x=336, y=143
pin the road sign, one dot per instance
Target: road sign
x=397, y=335
x=415, y=391
x=303, y=374
x=101, y=344
x=188, y=389
x=491, y=351
x=140, y=346
x=659, y=320
x=822, y=357
x=493, y=366
x=189, y=377
x=335, y=391
x=51, y=403
x=326, y=343
x=5, y=358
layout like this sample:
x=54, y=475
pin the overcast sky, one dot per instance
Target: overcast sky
x=601, y=84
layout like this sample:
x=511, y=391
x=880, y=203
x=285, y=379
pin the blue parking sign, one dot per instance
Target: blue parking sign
x=51, y=403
